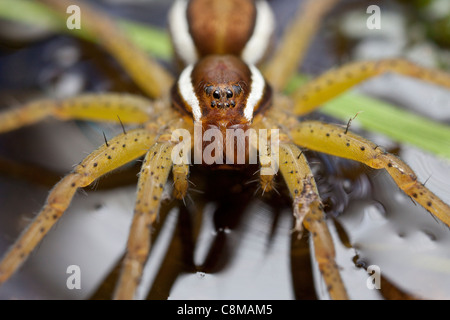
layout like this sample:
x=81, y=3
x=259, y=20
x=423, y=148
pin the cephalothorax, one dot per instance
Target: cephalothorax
x=224, y=84
x=222, y=93
x=220, y=43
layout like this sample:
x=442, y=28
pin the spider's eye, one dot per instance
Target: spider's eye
x=229, y=94
x=216, y=94
x=208, y=90
x=237, y=89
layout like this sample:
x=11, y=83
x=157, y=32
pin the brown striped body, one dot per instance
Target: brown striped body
x=243, y=28
x=219, y=41
x=223, y=27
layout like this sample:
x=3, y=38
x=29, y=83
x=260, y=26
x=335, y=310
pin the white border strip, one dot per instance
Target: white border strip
x=187, y=92
x=256, y=92
x=258, y=43
x=179, y=29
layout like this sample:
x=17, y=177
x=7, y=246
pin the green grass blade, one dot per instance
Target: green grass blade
x=398, y=124
x=150, y=39
x=35, y=14
x=381, y=117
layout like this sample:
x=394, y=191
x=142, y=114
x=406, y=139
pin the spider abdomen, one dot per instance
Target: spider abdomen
x=239, y=27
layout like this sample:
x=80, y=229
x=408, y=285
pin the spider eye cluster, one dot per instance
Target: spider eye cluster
x=219, y=43
x=223, y=97
x=221, y=87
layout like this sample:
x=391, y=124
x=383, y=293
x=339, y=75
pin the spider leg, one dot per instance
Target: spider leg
x=335, y=140
x=267, y=154
x=180, y=174
x=334, y=82
x=295, y=42
x=119, y=151
x=145, y=71
x=308, y=211
x=153, y=176
x=129, y=109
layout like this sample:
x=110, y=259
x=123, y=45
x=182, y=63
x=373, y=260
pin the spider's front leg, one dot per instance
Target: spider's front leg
x=308, y=211
x=108, y=157
x=334, y=82
x=336, y=140
x=153, y=176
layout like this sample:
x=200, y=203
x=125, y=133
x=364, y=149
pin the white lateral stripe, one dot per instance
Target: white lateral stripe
x=187, y=92
x=256, y=92
x=179, y=29
x=258, y=43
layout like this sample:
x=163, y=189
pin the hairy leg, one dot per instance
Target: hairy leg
x=108, y=157
x=268, y=157
x=153, y=176
x=335, y=82
x=180, y=174
x=336, y=140
x=128, y=109
x=309, y=213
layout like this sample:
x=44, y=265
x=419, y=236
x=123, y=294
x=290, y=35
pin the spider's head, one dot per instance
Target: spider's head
x=221, y=91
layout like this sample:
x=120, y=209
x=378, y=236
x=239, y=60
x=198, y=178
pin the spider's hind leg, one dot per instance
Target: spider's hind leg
x=295, y=42
x=309, y=213
x=335, y=140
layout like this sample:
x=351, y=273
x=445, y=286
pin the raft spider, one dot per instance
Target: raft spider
x=220, y=87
